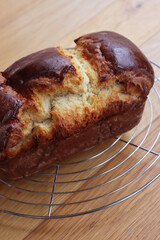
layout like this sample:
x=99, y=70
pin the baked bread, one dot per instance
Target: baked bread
x=57, y=102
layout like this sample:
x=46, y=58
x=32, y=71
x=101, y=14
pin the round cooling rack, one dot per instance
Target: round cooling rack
x=95, y=179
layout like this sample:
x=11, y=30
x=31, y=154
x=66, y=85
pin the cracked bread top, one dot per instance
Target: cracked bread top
x=54, y=93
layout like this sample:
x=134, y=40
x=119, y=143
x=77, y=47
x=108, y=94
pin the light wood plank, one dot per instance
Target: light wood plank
x=122, y=221
x=137, y=20
x=38, y=24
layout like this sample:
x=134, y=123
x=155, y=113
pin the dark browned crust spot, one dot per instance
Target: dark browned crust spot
x=112, y=54
x=10, y=103
x=5, y=132
x=49, y=63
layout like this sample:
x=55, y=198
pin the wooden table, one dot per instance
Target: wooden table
x=29, y=25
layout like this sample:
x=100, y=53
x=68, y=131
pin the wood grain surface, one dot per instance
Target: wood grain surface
x=30, y=25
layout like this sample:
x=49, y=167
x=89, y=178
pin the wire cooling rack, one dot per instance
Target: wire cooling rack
x=111, y=173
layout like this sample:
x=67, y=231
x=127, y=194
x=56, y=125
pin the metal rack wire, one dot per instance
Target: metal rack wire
x=121, y=167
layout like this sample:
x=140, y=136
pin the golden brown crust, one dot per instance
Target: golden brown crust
x=57, y=98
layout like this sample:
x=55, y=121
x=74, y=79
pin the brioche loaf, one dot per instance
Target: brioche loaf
x=57, y=102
